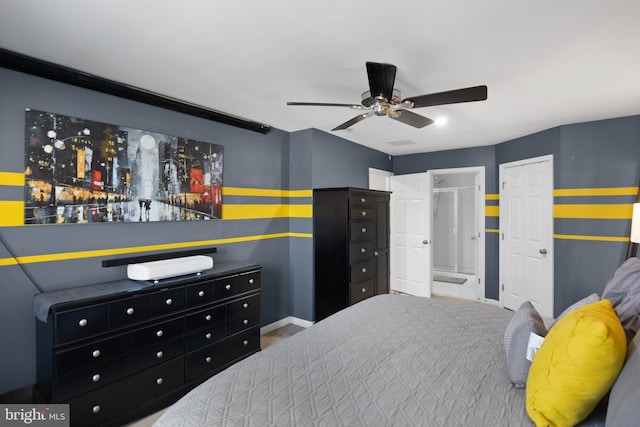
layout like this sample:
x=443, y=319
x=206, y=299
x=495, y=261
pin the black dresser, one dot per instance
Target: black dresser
x=351, y=247
x=121, y=350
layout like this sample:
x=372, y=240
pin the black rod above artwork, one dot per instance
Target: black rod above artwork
x=26, y=64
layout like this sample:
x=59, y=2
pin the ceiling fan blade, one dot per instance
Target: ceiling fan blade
x=476, y=93
x=353, y=121
x=381, y=79
x=326, y=104
x=411, y=119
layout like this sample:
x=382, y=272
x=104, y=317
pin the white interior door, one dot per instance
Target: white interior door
x=526, y=234
x=411, y=234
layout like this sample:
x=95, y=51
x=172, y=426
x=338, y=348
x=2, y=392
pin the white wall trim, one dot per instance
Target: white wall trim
x=284, y=322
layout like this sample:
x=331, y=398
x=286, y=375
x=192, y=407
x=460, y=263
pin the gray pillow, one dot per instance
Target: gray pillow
x=624, y=399
x=623, y=290
x=516, y=338
x=586, y=300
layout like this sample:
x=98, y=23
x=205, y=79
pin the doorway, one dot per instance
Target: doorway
x=457, y=215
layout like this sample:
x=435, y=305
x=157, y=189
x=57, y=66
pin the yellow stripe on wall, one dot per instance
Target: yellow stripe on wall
x=612, y=191
x=595, y=238
x=64, y=256
x=593, y=211
x=255, y=211
x=491, y=196
x=265, y=192
x=492, y=211
x=12, y=179
x=11, y=213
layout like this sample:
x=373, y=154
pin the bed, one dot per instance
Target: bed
x=395, y=360
x=390, y=360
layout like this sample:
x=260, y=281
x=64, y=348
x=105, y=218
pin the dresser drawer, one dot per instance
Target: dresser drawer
x=156, y=353
x=157, y=334
x=209, y=317
x=249, y=281
x=155, y=382
x=362, y=271
x=243, y=314
x=361, y=291
x=207, y=359
x=89, y=378
x=226, y=287
x=198, y=294
x=129, y=310
x=93, y=353
x=205, y=336
x=98, y=407
x=361, y=230
x=243, y=343
x=80, y=323
x=167, y=301
x=362, y=213
x=361, y=250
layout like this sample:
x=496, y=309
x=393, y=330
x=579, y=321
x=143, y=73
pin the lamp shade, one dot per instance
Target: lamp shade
x=635, y=224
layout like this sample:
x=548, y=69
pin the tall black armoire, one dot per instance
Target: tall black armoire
x=351, y=247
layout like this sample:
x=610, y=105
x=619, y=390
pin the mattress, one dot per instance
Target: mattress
x=389, y=360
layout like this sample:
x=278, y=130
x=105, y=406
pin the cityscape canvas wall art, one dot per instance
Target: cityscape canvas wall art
x=82, y=171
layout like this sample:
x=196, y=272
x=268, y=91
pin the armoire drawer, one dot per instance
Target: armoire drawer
x=249, y=281
x=129, y=310
x=362, y=271
x=360, y=291
x=243, y=343
x=361, y=230
x=206, y=318
x=157, y=333
x=360, y=250
x=206, y=336
x=198, y=294
x=362, y=213
x=156, y=353
x=167, y=301
x=226, y=288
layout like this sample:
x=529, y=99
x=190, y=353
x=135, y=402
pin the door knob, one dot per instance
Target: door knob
x=543, y=251
x=426, y=242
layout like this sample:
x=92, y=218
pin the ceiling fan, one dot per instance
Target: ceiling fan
x=383, y=100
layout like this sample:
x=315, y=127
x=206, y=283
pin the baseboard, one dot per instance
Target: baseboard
x=284, y=322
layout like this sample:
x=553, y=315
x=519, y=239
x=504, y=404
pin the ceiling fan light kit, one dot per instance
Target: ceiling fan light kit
x=382, y=99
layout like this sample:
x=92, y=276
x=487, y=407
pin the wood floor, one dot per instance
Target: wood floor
x=265, y=341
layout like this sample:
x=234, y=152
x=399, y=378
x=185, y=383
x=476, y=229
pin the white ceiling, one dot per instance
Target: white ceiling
x=545, y=62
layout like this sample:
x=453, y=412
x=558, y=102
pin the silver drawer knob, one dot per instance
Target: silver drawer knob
x=364, y=213
x=207, y=359
x=96, y=378
x=363, y=290
x=363, y=250
x=208, y=335
x=95, y=353
x=201, y=293
x=362, y=199
x=159, y=354
x=130, y=311
x=83, y=322
x=251, y=281
x=364, y=270
x=245, y=321
x=159, y=380
x=245, y=305
x=228, y=287
x=245, y=342
x=95, y=409
x=159, y=333
x=207, y=317
x=364, y=230
x=169, y=301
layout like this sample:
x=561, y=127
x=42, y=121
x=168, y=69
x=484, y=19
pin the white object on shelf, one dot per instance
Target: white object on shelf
x=155, y=270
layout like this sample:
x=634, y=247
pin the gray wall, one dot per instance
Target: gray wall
x=599, y=154
x=252, y=160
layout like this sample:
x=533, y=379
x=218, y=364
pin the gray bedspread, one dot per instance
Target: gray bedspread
x=388, y=361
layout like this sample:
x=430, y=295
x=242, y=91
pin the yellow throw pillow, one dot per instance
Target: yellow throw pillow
x=576, y=365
